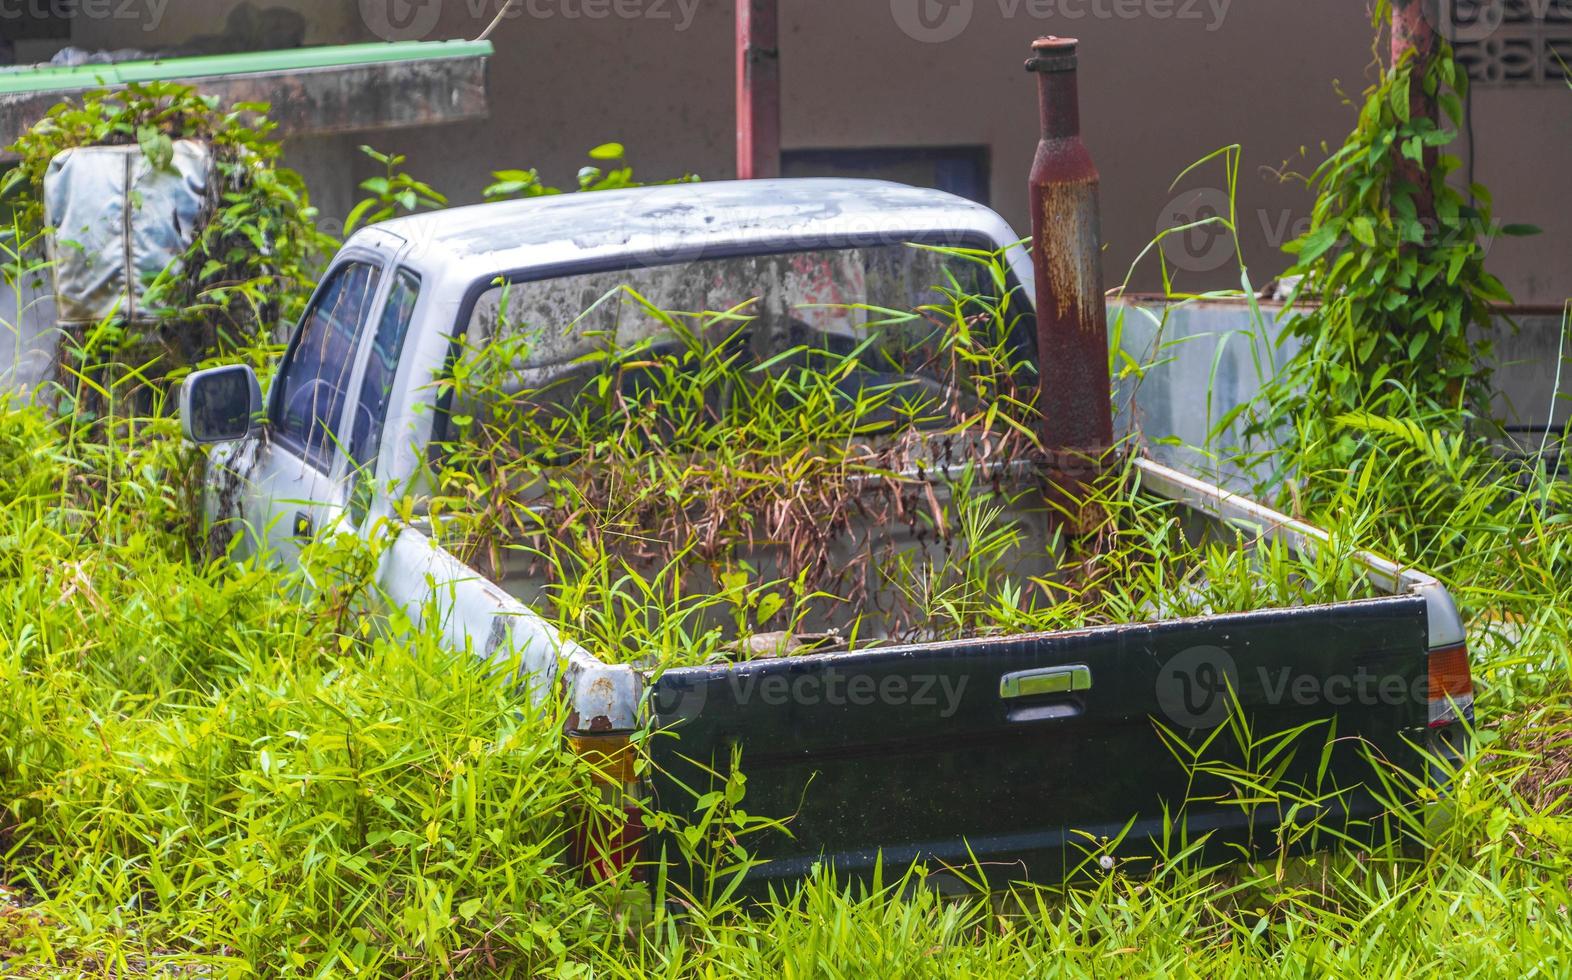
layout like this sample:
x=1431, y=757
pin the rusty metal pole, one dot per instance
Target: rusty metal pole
x=758, y=89
x=1414, y=30
x=1072, y=312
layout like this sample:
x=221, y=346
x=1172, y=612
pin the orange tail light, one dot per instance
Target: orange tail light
x=1450, y=677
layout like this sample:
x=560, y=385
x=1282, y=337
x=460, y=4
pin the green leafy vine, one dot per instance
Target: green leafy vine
x=1395, y=271
x=250, y=267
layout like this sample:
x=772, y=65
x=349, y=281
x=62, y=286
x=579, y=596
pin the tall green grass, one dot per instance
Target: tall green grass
x=213, y=770
x=208, y=769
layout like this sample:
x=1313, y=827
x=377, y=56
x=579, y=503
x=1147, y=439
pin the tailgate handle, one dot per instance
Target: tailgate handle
x=1055, y=680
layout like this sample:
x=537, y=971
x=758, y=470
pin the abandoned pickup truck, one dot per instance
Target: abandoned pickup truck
x=876, y=734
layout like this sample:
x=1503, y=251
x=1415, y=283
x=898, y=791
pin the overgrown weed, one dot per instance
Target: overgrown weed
x=212, y=769
x=681, y=488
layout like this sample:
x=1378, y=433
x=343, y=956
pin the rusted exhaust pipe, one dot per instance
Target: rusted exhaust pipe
x=1072, y=315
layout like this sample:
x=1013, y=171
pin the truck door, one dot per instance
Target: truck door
x=294, y=479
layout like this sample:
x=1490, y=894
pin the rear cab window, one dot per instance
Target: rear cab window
x=573, y=349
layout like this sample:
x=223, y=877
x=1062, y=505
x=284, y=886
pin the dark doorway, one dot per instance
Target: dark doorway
x=961, y=170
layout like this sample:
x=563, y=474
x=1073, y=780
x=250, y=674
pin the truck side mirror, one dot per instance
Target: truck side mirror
x=222, y=404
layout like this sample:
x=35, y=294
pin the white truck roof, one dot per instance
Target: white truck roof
x=683, y=222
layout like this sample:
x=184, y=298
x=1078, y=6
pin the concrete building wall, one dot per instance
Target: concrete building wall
x=1164, y=82
x=1158, y=93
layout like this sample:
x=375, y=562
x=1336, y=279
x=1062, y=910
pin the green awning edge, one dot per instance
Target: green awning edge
x=251, y=63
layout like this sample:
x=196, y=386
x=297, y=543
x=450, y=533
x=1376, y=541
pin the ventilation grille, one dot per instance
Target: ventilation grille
x=1511, y=43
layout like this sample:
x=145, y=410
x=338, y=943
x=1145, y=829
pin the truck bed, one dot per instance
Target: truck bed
x=1030, y=755
x=924, y=555
x=865, y=578
x=1252, y=734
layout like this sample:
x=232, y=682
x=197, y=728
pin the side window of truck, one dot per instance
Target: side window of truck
x=315, y=377
x=387, y=346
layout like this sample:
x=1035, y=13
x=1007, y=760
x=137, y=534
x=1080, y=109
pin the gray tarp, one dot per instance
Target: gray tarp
x=119, y=222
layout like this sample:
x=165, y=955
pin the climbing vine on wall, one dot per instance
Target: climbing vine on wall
x=1395, y=269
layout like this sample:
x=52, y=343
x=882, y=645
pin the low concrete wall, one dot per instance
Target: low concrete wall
x=1206, y=358
x=28, y=336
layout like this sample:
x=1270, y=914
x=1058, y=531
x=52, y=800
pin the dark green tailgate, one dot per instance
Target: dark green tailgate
x=916, y=753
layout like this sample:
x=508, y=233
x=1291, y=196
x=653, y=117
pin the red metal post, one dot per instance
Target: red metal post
x=758, y=89
x=1072, y=312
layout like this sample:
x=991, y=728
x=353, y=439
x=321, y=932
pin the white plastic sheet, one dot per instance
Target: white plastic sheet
x=119, y=222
